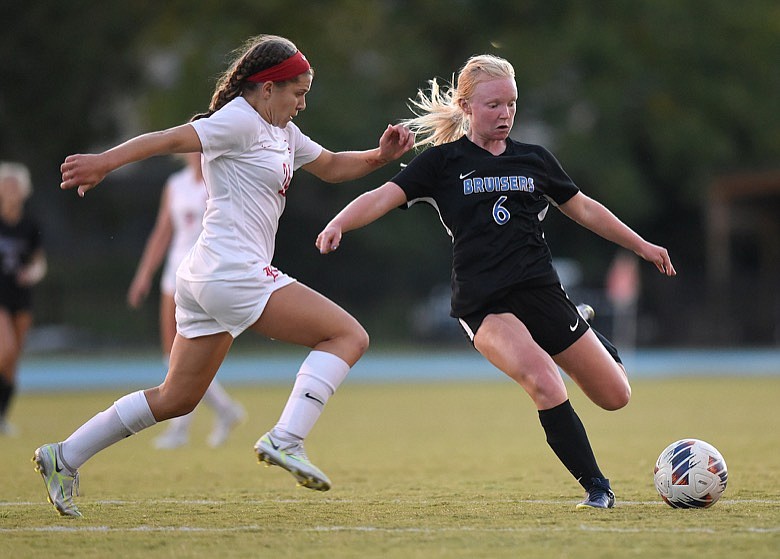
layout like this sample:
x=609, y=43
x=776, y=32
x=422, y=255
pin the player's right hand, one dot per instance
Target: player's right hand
x=138, y=291
x=81, y=171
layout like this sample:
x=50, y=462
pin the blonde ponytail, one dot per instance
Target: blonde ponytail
x=439, y=117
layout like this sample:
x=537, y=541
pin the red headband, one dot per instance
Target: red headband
x=293, y=66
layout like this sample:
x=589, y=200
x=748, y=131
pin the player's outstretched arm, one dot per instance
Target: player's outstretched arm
x=343, y=166
x=364, y=209
x=595, y=216
x=85, y=171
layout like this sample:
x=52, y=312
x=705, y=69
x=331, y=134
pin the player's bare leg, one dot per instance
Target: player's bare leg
x=302, y=316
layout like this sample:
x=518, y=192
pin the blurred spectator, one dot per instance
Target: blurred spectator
x=22, y=265
x=178, y=225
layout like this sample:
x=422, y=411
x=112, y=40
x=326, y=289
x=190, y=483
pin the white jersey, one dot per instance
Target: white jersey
x=247, y=165
x=186, y=204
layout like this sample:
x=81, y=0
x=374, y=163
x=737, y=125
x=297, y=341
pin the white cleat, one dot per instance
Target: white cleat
x=586, y=312
x=60, y=484
x=292, y=457
x=8, y=429
x=224, y=425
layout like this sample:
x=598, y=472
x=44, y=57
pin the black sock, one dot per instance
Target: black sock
x=6, y=392
x=567, y=437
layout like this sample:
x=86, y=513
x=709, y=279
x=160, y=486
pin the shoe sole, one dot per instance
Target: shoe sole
x=583, y=506
x=586, y=505
x=305, y=479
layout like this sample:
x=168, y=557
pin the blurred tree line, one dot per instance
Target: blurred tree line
x=643, y=102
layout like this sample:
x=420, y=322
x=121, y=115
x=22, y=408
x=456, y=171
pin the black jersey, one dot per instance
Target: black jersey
x=18, y=242
x=492, y=207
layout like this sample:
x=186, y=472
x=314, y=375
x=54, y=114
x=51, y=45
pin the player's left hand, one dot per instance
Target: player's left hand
x=659, y=256
x=328, y=240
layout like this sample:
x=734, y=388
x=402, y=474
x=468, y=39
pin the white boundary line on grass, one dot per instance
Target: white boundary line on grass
x=371, y=529
x=378, y=529
x=195, y=502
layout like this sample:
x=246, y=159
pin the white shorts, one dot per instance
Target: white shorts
x=210, y=307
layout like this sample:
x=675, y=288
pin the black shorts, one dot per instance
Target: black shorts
x=551, y=318
x=15, y=299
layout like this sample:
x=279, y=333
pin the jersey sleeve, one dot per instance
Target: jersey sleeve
x=560, y=188
x=419, y=177
x=228, y=132
x=305, y=150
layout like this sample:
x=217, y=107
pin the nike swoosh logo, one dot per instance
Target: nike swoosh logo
x=273, y=444
x=574, y=326
x=57, y=467
x=310, y=397
x=464, y=175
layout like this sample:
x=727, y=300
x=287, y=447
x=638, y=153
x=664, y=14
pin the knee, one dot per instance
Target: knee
x=182, y=404
x=546, y=387
x=542, y=382
x=349, y=343
x=352, y=336
x=185, y=406
x=169, y=403
x=617, y=399
x=359, y=340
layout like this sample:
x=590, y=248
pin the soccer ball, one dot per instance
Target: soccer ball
x=690, y=474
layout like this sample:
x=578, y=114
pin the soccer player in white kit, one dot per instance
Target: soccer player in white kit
x=177, y=228
x=228, y=283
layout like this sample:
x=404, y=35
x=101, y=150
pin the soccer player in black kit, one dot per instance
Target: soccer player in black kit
x=492, y=194
x=22, y=266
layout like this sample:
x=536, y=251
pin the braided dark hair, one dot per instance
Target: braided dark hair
x=257, y=54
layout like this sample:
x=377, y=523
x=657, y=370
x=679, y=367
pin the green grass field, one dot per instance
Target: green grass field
x=419, y=470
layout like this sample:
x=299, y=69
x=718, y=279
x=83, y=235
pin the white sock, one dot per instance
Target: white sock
x=181, y=424
x=317, y=380
x=107, y=428
x=134, y=412
x=219, y=399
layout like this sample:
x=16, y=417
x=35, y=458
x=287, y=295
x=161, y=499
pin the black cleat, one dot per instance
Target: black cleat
x=599, y=496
